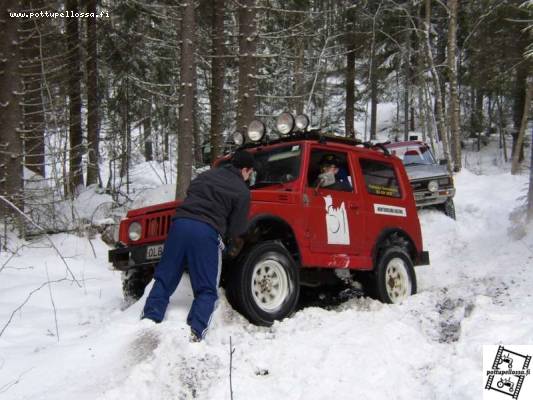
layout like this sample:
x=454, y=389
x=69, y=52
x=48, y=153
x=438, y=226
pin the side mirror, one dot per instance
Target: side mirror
x=443, y=162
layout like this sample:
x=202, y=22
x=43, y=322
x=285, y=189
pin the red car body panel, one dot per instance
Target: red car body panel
x=360, y=217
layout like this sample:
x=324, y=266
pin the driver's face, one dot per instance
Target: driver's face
x=330, y=169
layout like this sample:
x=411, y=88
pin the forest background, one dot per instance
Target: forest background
x=90, y=88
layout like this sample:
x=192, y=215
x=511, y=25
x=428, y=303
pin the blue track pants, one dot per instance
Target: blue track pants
x=199, y=245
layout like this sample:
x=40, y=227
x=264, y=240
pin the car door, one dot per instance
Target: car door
x=334, y=224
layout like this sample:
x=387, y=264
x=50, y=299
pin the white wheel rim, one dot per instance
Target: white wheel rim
x=397, y=280
x=270, y=285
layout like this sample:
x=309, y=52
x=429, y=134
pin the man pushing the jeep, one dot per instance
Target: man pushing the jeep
x=216, y=206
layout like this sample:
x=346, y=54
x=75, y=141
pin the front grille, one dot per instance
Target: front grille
x=157, y=226
x=419, y=186
x=422, y=186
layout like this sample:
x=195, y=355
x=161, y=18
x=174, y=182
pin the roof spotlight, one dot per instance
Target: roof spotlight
x=256, y=130
x=285, y=123
x=302, y=122
x=238, y=138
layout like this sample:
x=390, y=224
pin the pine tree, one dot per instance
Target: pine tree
x=186, y=111
x=10, y=117
x=217, y=78
x=93, y=136
x=72, y=39
x=247, y=64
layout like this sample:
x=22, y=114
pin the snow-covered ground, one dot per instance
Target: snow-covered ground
x=64, y=334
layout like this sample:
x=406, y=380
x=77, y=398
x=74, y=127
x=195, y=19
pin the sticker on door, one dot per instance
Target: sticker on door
x=336, y=222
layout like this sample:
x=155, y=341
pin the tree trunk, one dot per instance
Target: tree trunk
x=93, y=136
x=10, y=117
x=515, y=168
x=31, y=72
x=186, y=112
x=530, y=191
x=217, y=79
x=299, y=79
x=247, y=64
x=453, y=109
x=147, y=131
x=197, y=135
x=519, y=91
x=74, y=94
x=350, y=89
x=407, y=82
x=441, y=126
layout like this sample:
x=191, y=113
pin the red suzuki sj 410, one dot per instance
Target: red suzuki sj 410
x=305, y=225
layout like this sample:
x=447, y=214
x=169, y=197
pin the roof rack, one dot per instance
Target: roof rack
x=321, y=137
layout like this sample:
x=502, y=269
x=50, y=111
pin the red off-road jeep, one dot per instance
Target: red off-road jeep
x=303, y=229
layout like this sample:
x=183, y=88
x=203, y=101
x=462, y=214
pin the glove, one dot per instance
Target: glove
x=235, y=247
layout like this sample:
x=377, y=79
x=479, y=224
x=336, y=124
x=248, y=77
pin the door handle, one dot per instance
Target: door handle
x=354, y=206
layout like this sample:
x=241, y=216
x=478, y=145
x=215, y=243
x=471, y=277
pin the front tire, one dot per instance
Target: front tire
x=264, y=284
x=395, y=276
x=448, y=208
x=134, y=281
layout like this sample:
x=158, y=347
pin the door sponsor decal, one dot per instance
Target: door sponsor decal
x=390, y=210
x=336, y=222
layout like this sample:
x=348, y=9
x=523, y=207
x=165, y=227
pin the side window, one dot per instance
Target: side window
x=380, y=178
x=330, y=161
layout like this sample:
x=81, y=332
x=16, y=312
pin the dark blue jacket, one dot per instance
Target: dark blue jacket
x=219, y=197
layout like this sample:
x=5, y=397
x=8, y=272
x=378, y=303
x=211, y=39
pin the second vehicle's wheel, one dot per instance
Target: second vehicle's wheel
x=263, y=284
x=134, y=281
x=395, y=275
x=448, y=208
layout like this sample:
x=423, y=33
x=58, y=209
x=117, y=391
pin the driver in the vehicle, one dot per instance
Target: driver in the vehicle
x=331, y=164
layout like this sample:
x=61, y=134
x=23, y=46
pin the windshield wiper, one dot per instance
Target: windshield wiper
x=416, y=163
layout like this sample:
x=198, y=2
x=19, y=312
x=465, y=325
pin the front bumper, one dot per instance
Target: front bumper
x=427, y=198
x=124, y=258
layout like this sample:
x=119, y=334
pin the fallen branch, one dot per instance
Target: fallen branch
x=26, y=301
x=231, y=351
x=9, y=385
x=46, y=235
x=52, y=301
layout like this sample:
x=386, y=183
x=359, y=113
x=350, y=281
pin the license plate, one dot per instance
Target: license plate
x=154, y=252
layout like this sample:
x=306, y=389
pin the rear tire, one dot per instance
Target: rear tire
x=263, y=284
x=395, y=276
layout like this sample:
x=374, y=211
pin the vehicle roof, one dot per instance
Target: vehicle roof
x=406, y=143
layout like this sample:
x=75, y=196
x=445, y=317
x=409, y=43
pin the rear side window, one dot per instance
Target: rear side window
x=380, y=178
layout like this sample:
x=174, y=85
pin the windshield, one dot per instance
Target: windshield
x=276, y=166
x=414, y=155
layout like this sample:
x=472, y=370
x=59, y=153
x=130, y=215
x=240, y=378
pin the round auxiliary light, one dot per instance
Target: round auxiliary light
x=301, y=122
x=134, y=231
x=256, y=130
x=433, y=186
x=238, y=138
x=285, y=123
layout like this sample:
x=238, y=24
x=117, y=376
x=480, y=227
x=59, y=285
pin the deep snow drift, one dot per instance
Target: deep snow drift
x=476, y=292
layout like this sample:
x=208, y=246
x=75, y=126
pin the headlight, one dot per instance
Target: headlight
x=285, y=123
x=256, y=131
x=238, y=138
x=134, y=231
x=433, y=186
x=301, y=122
